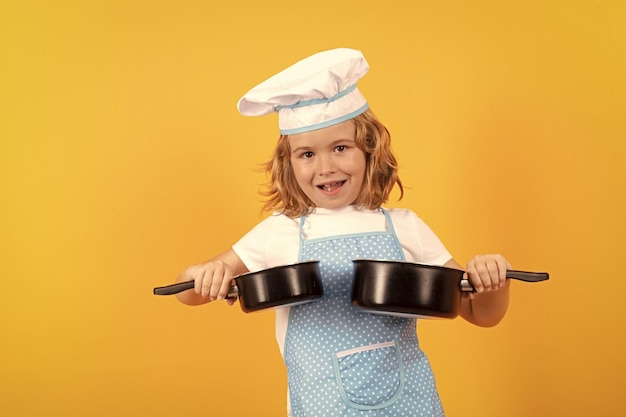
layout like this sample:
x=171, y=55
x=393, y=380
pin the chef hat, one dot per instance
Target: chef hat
x=316, y=92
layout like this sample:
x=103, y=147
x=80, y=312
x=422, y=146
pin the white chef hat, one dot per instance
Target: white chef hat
x=316, y=92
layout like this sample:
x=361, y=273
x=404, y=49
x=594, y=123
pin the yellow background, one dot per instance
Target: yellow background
x=123, y=159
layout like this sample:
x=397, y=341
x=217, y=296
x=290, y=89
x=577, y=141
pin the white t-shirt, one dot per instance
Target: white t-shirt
x=275, y=241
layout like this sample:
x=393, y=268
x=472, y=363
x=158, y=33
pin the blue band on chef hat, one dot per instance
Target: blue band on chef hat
x=317, y=100
x=326, y=123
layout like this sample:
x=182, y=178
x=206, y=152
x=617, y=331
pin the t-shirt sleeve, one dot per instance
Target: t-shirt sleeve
x=434, y=251
x=252, y=247
x=418, y=240
x=272, y=242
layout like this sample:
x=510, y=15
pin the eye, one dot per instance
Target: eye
x=307, y=155
x=341, y=148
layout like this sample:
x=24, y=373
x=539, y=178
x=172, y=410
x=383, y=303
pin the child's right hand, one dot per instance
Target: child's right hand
x=212, y=279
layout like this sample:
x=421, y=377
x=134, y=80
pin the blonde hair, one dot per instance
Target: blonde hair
x=381, y=171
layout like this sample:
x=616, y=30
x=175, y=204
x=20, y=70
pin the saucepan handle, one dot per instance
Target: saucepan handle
x=233, y=292
x=527, y=276
x=511, y=273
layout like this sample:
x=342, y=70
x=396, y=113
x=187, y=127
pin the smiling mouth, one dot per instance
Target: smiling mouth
x=331, y=186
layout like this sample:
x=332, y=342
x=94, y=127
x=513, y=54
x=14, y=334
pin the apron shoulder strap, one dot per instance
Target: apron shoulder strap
x=392, y=231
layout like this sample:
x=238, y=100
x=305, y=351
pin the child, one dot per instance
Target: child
x=331, y=173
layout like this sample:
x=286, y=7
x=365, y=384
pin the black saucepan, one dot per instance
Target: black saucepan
x=280, y=286
x=415, y=290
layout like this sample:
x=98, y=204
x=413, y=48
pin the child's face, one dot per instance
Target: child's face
x=328, y=166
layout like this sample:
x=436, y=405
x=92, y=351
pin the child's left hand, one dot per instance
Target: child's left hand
x=486, y=273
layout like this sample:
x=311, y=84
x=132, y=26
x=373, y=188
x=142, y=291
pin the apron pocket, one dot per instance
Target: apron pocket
x=370, y=377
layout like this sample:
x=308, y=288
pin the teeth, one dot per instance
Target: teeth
x=330, y=187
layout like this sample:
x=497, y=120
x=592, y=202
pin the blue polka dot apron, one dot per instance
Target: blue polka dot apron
x=343, y=362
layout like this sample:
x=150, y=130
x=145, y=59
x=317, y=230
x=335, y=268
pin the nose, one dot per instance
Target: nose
x=325, y=165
